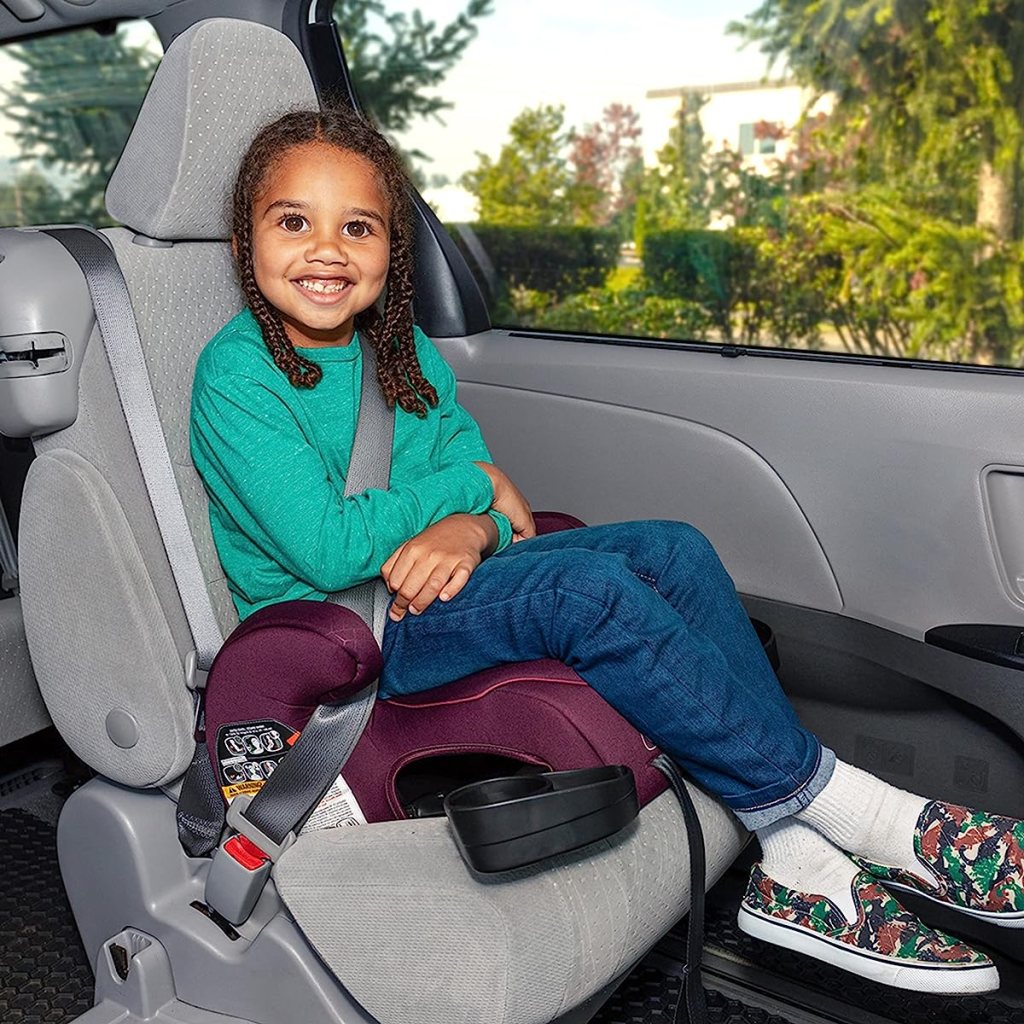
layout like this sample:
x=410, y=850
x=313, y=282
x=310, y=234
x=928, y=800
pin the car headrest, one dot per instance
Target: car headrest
x=217, y=85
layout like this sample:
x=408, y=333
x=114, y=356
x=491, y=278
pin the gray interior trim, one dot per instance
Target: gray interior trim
x=23, y=710
x=884, y=464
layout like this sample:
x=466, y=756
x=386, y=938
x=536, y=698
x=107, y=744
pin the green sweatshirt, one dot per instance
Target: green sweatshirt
x=273, y=458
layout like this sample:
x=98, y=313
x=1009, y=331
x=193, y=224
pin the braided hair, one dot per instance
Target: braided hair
x=389, y=329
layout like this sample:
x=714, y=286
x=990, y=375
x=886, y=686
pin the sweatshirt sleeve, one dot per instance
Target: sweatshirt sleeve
x=260, y=469
x=461, y=440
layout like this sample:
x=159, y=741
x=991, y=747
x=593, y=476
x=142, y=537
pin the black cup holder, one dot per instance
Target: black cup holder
x=499, y=824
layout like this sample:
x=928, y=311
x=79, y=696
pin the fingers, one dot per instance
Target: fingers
x=385, y=569
x=419, y=590
x=458, y=580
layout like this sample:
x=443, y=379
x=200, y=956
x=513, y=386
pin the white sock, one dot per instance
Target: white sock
x=867, y=817
x=798, y=857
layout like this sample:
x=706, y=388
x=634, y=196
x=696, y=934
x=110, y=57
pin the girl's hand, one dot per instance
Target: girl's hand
x=509, y=500
x=437, y=562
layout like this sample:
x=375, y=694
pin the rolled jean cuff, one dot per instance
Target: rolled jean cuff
x=753, y=818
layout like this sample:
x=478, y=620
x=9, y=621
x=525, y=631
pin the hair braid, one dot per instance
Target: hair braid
x=389, y=331
x=302, y=372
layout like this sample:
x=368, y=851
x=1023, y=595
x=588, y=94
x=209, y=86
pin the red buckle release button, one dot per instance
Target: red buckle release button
x=246, y=852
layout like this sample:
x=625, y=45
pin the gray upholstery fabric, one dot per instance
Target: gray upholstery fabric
x=414, y=935
x=23, y=708
x=98, y=636
x=220, y=82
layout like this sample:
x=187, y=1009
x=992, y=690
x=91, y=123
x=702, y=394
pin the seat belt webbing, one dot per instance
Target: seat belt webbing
x=120, y=334
x=301, y=779
x=200, y=808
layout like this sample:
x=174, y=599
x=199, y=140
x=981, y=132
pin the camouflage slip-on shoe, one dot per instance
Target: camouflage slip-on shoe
x=886, y=943
x=973, y=862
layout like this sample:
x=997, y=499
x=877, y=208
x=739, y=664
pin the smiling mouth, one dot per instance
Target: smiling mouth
x=321, y=286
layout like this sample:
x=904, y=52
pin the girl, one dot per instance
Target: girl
x=643, y=611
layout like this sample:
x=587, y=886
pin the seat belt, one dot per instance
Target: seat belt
x=120, y=335
x=268, y=822
x=286, y=799
x=272, y=817
x=8, y=555
x=200, y=805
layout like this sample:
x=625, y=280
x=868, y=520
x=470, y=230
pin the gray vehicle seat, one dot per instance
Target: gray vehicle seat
x=389, y=920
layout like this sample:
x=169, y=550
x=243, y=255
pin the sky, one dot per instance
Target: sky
x=584, y=54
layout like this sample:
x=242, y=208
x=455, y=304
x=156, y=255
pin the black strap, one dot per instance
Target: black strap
x=691, y=1007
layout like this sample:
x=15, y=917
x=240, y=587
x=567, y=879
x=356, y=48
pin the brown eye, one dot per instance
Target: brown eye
x=293, y=222
x=357, y=228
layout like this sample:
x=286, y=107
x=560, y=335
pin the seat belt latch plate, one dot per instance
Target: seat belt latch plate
x=237, y=820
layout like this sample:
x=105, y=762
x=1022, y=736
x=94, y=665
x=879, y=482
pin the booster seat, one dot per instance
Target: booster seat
x=378, y=923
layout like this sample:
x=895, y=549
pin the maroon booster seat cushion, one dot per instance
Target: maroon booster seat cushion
x=285, y=660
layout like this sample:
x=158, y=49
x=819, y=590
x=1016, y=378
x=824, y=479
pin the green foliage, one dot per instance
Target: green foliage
x=896, y=284
x=707, y=267
x=930, y=98
x=530, y=183
x=74, y=107
x=548, y=174
x=30, y=198
x=632, y=312
x=395, y=58
x=674, y=193
x=556, y=260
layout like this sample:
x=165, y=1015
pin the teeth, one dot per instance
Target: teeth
x=314, y=285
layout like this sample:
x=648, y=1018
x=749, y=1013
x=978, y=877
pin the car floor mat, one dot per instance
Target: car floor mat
x=44, y=975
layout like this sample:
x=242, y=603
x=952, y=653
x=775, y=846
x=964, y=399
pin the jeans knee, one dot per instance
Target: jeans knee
x=685, y=541
x=595, y=574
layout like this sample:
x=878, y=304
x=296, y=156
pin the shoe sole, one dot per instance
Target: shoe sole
x=1011, y=920
x=943, y=979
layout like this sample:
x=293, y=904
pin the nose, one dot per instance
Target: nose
x=326, y=247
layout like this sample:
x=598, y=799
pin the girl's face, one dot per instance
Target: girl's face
x=321, y=243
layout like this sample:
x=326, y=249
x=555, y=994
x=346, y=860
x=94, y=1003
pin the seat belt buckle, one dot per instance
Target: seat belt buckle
x=241, y=865
x=236, y=879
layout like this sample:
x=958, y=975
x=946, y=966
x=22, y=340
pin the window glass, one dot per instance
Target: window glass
x=843, y=177
x=67, y=104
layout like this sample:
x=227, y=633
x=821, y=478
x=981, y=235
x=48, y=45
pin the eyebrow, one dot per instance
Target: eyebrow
x=296, y=204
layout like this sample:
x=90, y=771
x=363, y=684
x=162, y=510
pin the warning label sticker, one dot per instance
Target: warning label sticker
x=248, y=754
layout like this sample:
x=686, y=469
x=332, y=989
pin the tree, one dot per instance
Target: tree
x=674, y=193
x=394, y=57
x=79, y=93
x=530, y=183
x=924, y=93
x=607, y=165
x=74, y=105
x=30, y=198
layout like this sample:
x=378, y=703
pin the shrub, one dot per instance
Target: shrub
x=630, y=312
x=711, y=268
x=555, y=260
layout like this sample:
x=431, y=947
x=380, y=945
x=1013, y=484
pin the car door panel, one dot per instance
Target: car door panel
x=884, y=464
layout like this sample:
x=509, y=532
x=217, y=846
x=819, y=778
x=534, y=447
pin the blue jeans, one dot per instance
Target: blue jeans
x=647, y=615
